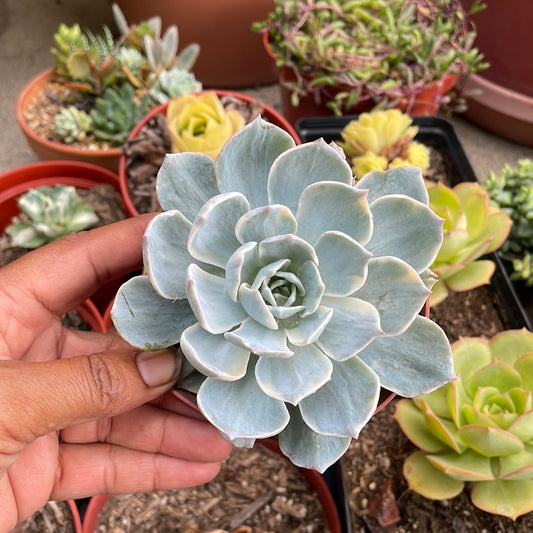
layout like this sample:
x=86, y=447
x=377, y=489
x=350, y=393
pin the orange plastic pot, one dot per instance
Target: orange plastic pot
x=52, y=150
x=18, y=181
x=269, y=113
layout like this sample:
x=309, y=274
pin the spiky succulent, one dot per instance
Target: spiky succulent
x=478, y=428
x=117, y=112
x=511, y=190
x=383, y=139
x=91, y=62
x=51, y=213
x=293, y=293
x=472, y=227
x=72, y=124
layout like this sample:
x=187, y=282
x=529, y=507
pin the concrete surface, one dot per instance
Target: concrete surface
x=26, y=31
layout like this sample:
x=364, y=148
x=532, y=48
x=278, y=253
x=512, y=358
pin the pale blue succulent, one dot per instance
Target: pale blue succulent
x=293, y=293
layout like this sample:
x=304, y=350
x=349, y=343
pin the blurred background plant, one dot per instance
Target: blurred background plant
x=48, y=213
x=477, y=429
x=511, y=189
x=378, y=50
x=115, y=81
x=472, y=228
x=383, y=139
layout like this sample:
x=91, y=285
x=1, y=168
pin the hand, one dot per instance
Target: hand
x=83, y=412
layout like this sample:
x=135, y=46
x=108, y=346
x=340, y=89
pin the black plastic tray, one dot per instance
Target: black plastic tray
x=440, y=134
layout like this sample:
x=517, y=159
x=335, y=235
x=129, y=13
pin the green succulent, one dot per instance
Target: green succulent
x=72, y=124
x=51, y=213
x=478, y=428
x=173, y=83
x=294, y=294
x=116, y=113
x=86, y=61
x=472, y=227
x=511, y=190
x=91, y=62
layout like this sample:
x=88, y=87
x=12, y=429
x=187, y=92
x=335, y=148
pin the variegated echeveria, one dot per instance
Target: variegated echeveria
x=293, y=293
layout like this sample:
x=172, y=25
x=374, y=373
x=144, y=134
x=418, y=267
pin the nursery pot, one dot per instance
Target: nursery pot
x=269, y=114
x=315, y=480
x=231, y=55
x=52, y=150
x=423, y=102
x=20, y=180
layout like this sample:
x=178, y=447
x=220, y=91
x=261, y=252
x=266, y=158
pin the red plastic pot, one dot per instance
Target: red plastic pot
x=424, y=102
x=18, y=181
x=51, y=150
x=269, y=113
x=315, y=479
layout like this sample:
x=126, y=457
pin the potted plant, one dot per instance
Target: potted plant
x=263, y=276
x=339, y=57
x=100, y=87
x=57, y=197
x=200, y=122
x=477, y=429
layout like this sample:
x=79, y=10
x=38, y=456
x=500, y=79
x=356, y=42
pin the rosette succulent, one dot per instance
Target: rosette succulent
x=478, y=428
x=293, y=293
x=199, y=123
x=473, y=227
x=383, y=139
x=50, y=213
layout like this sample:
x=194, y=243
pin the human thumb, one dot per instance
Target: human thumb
x=63, y=392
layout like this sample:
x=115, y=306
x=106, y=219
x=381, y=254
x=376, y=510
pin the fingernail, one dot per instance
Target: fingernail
x=159, y=368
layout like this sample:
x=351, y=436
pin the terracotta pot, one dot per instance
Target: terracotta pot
x=18, y=181
x=231, y=54
x=315, y=479
x=51, y=150
x=425, y=102
x=503, y=99
x=269, y=114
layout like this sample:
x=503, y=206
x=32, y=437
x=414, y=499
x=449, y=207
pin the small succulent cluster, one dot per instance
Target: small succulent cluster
x=473, y=227
x=292, y=299
x=139, y=69
x=511, y=190
x=379, y=50
x=50, y=213
x=477, y=429
x=383, y=139
x=200, y=123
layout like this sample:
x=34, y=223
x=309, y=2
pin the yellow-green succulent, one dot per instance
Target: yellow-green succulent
x=199, y=123
x=472, y=228
x=383, y=139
